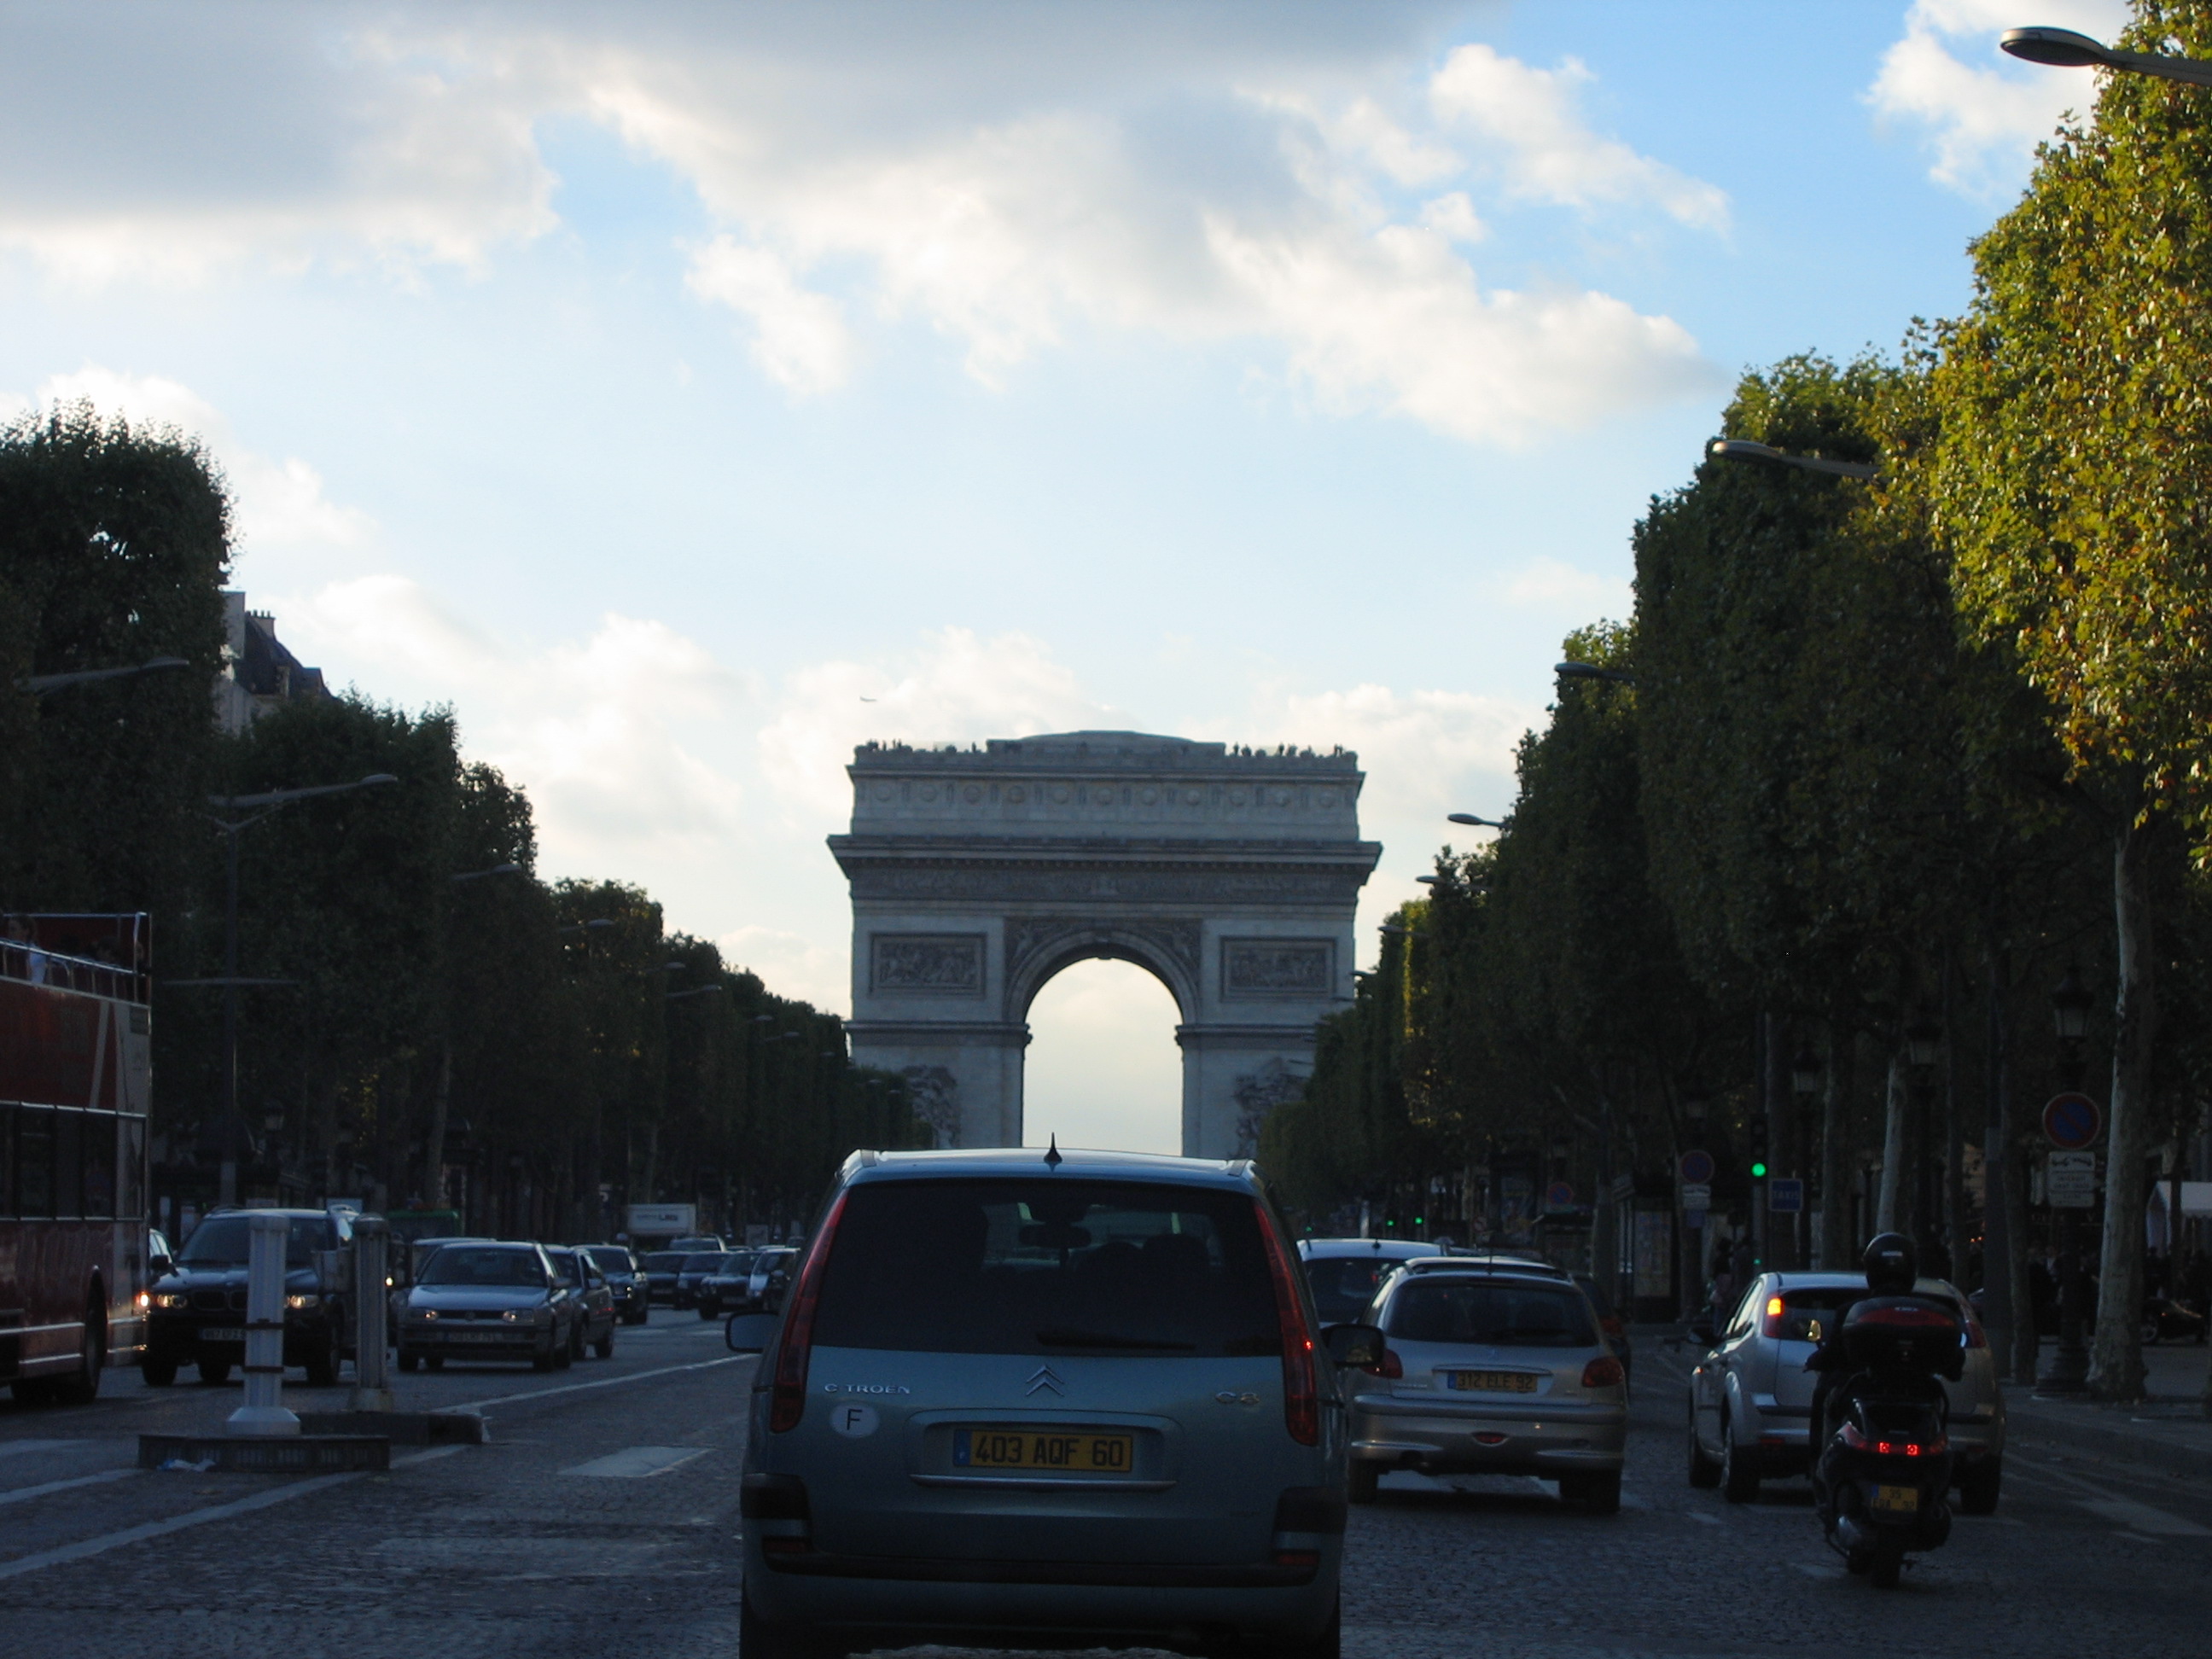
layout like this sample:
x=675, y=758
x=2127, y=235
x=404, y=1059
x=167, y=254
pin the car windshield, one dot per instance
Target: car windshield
x=704, y=1262
x=468, y=1264
x=1493, y=1312
x=611, y=1258
x=663, y=1261
x=1343, y=1285
x=222, y=1240
x=569, y=1264
x=1045, y=1266
x=738, y=1262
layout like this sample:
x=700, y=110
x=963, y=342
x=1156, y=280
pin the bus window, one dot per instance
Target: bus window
x=99, y=1165
x=130, y=1183
x=69, y=1164
x=7, y=1160
x=34, y=1165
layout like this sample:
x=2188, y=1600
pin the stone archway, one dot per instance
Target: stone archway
x=976, y=875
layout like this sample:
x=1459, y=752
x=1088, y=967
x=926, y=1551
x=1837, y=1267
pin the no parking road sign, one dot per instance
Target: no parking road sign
x=1697, y=1168
x=2073, y=1121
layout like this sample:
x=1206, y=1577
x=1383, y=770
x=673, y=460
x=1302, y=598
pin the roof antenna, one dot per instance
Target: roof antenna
x=1052, y=1158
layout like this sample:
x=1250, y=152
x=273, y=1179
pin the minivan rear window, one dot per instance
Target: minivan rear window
x=1503, y=1314
x=1048, y=1266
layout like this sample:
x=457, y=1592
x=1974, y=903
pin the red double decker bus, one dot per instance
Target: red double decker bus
x=75, y=1075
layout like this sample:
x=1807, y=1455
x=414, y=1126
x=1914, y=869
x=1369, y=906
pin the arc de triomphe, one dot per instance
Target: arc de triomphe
x=976, y=875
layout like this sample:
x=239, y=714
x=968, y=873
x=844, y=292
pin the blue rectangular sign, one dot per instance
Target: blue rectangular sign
x=1785, y=1194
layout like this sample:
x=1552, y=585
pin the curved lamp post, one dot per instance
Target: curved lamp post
x=1744, y=449
x=2064, y=49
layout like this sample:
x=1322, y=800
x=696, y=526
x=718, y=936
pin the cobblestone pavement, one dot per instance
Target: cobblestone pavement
x=601, y=1518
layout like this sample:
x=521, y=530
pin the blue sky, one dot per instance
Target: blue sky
x=656, y=384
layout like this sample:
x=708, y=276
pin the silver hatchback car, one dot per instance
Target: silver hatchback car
x=1490, y=1369
x=1750, y=1397
x=1069, y=1400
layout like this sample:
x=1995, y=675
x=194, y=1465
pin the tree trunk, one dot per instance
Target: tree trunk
x=2116, y=1370
x=1832, y=1250
x=1954, y=1136
x=434, y=1144
x=1896, y=1179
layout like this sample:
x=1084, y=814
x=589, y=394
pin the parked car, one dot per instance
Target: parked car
x=196, y=1312
x=593, y=1324
x=660, y=1268
x=1614, y=1327
x=1750, y=1397
x=1055, y=1402
x=625, y=1279
x=488, y=1301
x=725, y=1290
x=1345, y=1273
x=1490, y=1371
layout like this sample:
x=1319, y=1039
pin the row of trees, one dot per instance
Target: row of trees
x=1874, y=763
x=434, y=1003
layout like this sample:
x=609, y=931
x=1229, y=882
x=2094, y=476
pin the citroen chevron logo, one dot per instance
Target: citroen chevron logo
x=1045, y=1378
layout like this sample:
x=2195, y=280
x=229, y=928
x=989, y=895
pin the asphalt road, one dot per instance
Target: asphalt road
x=602, y=1520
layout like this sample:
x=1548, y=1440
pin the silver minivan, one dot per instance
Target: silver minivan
x=1060, y=1401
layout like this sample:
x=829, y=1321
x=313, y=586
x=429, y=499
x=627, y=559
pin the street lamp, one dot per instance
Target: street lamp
x=1805, y=1071
x=38, y=684
x=1744, y=449
x=585, y=926
x=1470, y=818
x=695, y=991
x=1923, y=1044
x=1590, y=671
x=2064, y=49
x=268, y=801
x=479, y=875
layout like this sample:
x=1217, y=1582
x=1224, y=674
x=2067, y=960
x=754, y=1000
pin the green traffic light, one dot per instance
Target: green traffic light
x=1420, y=1221
x=1758, y=1172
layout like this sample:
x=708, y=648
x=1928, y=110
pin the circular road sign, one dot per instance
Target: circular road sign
x=1559, y=1196
x=2073, y=1121
x=1697, y=1168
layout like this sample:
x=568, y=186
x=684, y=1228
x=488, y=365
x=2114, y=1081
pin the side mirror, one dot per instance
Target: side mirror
x=1702, y=1329
x=1353, y=1345
x=161, y=1266
x=749, y=1332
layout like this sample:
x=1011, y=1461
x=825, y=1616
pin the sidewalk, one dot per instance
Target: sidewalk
x=2169, y=1428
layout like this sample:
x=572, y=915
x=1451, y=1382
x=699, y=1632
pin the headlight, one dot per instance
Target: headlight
x=144, y=1301
x=169, y=1299
x=309, y=1300
x=421, y=1313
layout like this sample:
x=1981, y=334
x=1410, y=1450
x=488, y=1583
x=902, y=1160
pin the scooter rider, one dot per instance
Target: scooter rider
x=1893, y=1268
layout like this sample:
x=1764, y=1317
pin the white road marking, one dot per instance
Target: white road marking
x=24, y=1494
x=604, y=1382
x=2143, y=1518
x=1699, y=1514
x=17, y=1448
x=639, y=1462
x=114, y=1540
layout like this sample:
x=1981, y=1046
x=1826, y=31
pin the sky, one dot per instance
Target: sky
x=687, y=393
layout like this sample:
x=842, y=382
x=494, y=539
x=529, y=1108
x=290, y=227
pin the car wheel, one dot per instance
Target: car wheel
x=1361, y=1478
x=576, y=1340
x=215, y=1372
x=564, y=1354
x=158, y=1373
x=605, y=1347
x=1739, y=1475
x=1978, y=1486
x=1887, y=1562
x=408, y=1361
x=434, y=1362
x=323, y=1363
x=1328, y=1645
x=1597, y=1491
x=705, y=1312
x=541, y=1361
x=2148, y=1334
x=759, y=1640
x=1705, y=1471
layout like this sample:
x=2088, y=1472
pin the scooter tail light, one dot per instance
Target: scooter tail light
x=1301, y=1383
x=1853, y=1438
x=787, y=1403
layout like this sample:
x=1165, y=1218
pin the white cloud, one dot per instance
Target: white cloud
x=799, y=339
x=1396, y=321
x=954, y=688
x=1005, y=178
x=277, y=503
x=1985, y=114
x=1556, y=157
x=1422, y=750
x=603, y=732
x=790, y=964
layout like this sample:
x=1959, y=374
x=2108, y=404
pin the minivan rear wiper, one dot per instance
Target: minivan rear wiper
x=1066, y=1339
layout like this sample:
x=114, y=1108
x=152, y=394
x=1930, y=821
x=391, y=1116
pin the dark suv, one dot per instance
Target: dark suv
x=196, y=1312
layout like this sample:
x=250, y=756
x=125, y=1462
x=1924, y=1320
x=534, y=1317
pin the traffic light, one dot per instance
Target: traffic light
x=1758, y=1139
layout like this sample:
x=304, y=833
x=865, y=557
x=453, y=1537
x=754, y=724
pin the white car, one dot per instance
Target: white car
x=1345, y=1273
x=1750, y=1397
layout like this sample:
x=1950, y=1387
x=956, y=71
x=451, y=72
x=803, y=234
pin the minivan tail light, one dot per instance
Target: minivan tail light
x=1301, y=1384
x=787, y=1404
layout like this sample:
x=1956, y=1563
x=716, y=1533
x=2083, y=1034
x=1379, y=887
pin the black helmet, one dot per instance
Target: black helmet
x=1892, y=1266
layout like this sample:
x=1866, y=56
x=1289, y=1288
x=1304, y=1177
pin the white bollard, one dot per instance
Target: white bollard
x=372, y=1300
x=264, y=1411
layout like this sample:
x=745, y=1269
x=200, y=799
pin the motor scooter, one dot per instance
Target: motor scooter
x=1882, y=1482
x=2172, y=1319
